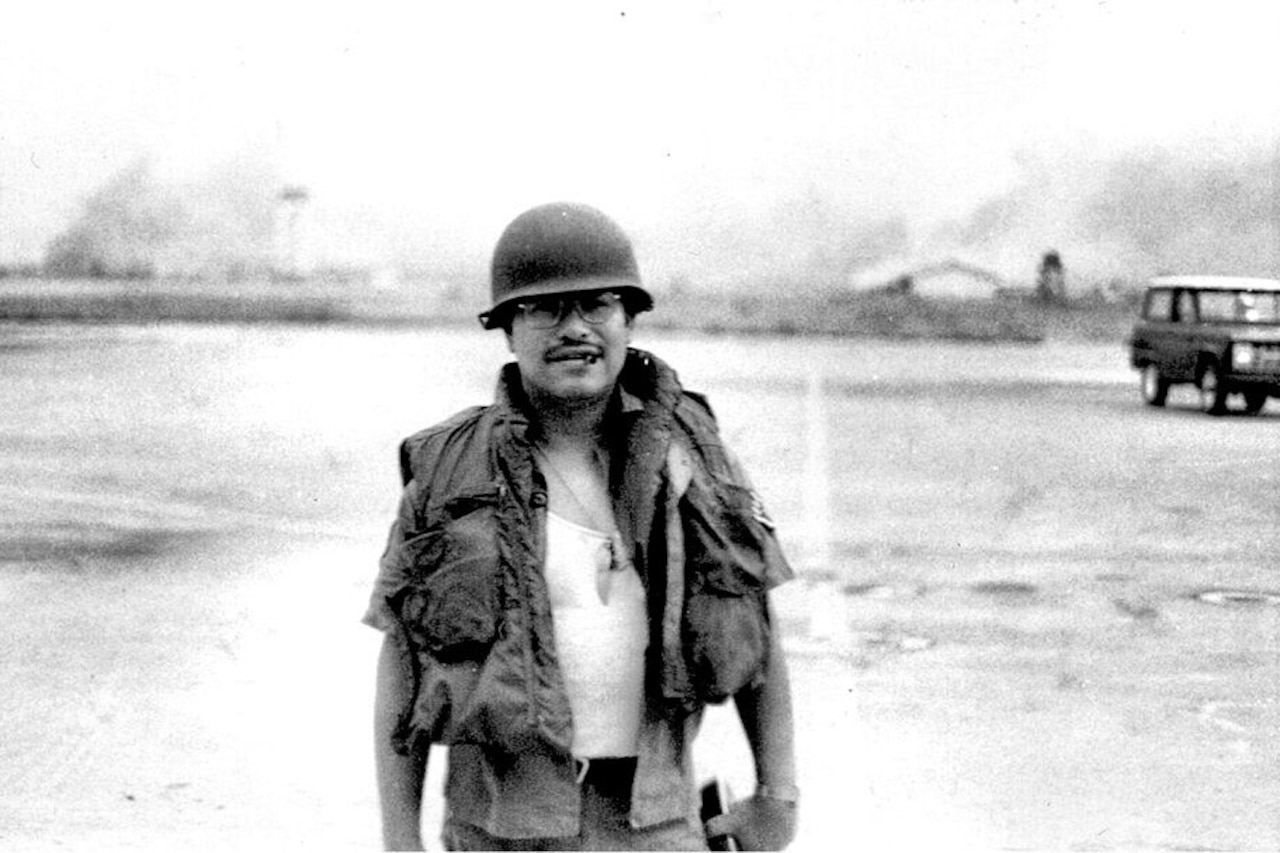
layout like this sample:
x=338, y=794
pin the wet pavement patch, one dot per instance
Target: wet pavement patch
x=82, y=547
x=1005, y=589
x=882, y=590
x=892, y=641
x=1237, y=597
x=1136, y=609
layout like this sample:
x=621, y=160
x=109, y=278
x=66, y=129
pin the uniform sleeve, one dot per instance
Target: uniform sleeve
x=394, y=566
x=777, y=570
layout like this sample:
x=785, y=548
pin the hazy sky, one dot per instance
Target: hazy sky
x=452, y=117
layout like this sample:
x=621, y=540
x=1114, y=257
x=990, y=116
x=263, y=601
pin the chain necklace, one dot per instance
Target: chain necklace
x=618, y=559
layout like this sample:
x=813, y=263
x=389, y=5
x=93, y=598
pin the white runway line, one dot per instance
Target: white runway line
x=828, y=621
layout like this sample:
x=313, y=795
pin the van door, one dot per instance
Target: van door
x=1155, y=337
x=1183, y=345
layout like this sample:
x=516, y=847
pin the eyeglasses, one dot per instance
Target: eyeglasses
x=547, y=312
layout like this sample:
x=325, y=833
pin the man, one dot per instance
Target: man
x=576, y=570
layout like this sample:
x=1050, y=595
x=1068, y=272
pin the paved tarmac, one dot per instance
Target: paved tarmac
x=1031, y=613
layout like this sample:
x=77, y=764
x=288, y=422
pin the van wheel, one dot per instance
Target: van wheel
x=1155, y=388
x=1213, y=395
x=1254, y=401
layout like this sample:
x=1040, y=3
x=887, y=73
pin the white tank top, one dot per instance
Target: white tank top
x=601, y=643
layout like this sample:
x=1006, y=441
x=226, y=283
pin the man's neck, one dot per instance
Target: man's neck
x=565, y=424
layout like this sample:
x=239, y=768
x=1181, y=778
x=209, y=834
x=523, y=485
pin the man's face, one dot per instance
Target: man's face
x=572, y=358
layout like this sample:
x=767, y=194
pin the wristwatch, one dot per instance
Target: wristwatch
x=782, y=793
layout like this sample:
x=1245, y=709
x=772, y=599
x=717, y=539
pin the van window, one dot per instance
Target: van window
x=1186, y=306
x=1219, y=307
x=1240, y=306
x=1159, y=305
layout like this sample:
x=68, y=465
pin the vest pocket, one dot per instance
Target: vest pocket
x=726, y=629
x=450, y=610
x=451, y=603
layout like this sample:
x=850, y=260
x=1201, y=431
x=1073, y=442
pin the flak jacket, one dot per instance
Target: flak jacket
x=462, y=589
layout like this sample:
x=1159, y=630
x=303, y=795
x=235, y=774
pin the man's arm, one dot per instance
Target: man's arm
x=769, y=724
x=400, y=777
x=766, y=821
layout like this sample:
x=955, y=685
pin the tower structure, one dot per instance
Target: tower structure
x=289, y=262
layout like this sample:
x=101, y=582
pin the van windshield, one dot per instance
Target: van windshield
x=1239, y=306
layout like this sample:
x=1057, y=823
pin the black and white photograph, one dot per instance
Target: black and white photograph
x=692, y=425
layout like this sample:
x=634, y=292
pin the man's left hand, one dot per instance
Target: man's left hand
x=760, y=823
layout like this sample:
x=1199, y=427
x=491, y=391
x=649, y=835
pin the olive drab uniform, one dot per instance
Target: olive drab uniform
x=461, y=587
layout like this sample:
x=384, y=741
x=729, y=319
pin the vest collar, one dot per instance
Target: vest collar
x=645, y=379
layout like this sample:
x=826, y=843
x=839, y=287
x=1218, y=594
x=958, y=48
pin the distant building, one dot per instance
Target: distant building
x=290, y=260
x=946, y=279
x=1051, y=278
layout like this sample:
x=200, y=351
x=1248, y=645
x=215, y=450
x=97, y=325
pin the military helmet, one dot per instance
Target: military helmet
x=560, y=248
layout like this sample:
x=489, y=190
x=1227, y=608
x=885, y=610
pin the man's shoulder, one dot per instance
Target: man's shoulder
x=693, y=412
x=695, y=401
x=420, y=451
x=461, y=421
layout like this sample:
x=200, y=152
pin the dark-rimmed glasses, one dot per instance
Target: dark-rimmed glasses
x=547, y=312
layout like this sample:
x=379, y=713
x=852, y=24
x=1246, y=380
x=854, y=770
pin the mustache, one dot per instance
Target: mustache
x=574, y=350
